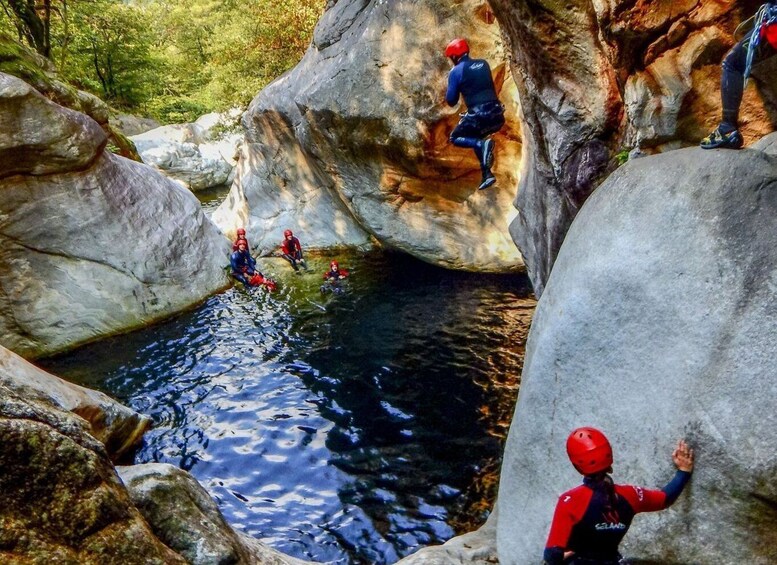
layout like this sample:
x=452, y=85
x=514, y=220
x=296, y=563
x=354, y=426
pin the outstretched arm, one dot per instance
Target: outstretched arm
x=683, y=460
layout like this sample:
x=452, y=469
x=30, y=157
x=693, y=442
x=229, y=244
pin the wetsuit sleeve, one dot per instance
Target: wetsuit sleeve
x=454, y=83
x=233, y=262
x=676, y=486
x=570, y=509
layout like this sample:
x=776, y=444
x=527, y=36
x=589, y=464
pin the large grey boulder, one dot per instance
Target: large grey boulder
x=658, y=322
x=195, y=154
x=38, y=137
x=184, y=516
x=354, y=141
x=99, y=244
x=117, y=427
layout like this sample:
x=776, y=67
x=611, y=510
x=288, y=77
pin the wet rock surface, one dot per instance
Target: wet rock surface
x=184, y=516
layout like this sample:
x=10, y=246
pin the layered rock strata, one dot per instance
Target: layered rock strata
x=599, y=78
x=658, y=323
x=90, y=243
x=353, y=142
x=117, y=427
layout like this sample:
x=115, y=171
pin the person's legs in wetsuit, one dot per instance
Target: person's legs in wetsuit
x=732, y=85
x=471, y=132
x=291, y=260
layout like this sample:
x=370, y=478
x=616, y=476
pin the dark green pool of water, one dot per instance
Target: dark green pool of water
x=346, y=429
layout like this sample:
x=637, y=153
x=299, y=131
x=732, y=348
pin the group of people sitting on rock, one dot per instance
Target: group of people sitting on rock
x=244, y=265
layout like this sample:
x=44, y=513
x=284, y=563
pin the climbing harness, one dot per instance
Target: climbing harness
x=765, y=27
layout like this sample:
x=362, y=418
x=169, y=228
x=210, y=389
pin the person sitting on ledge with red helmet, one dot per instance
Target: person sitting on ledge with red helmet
x=291, y=250
x=471, y=79
x=333, y=277
x=244, y=268
x=591, y=520
x=241, y=236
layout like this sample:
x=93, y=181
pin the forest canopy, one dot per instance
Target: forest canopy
x=173, y=60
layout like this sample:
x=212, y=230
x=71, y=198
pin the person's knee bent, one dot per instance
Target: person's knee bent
x=736, y=60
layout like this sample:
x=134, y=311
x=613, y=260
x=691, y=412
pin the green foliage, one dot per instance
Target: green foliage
x=172, y=60
x=622, y=156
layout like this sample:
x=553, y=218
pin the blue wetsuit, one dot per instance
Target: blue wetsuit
x=732, y=82
x=243, y=266
x=471, y=79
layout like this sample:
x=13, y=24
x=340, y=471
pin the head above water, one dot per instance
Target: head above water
x=334, y=265
x=456, y=49
x=589, y=451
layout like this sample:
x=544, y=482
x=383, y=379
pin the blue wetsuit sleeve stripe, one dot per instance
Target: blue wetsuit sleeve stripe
x=454, y=83
x=676, y=486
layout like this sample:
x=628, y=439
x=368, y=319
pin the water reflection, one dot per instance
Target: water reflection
x=347, y=429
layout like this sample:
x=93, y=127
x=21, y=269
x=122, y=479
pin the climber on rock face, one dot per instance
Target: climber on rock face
x=471, y=79
x=758, y=45
x=591, y=520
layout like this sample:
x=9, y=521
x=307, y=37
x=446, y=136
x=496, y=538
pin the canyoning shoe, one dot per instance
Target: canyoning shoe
x=729, y=140
x=488, y=153
x=488, y=180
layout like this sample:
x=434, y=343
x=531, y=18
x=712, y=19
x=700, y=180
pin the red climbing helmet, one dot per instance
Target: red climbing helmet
x=457, y=48
x=287, y=233
x=589, y=451
x=334, y=265
x=241, y=231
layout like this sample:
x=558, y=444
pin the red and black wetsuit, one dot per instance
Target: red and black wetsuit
x=331, y=274
x=291, y=249
x=592, y=519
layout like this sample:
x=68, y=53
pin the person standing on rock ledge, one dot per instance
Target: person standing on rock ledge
x=757, y=45
x=591, y=520
x=471, y=79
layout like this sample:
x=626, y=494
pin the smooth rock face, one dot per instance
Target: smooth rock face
x=132, y=248
x=186, y=518
x=97, y=245
x=597, y=78
x=116, y=426
x=354, y=141
x=39, y=137
x=60, y=498
x=658, y=322
x=191, y=153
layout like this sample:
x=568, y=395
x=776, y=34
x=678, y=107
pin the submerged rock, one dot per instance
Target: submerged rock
x=90, y=243
x=354, y=141
x=119, y=428
x=598, y=78
x=184, y=516
x=657, y=323
x=474, y=548
x=194, y=154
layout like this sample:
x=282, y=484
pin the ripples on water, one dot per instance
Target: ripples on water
x=344, y=429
